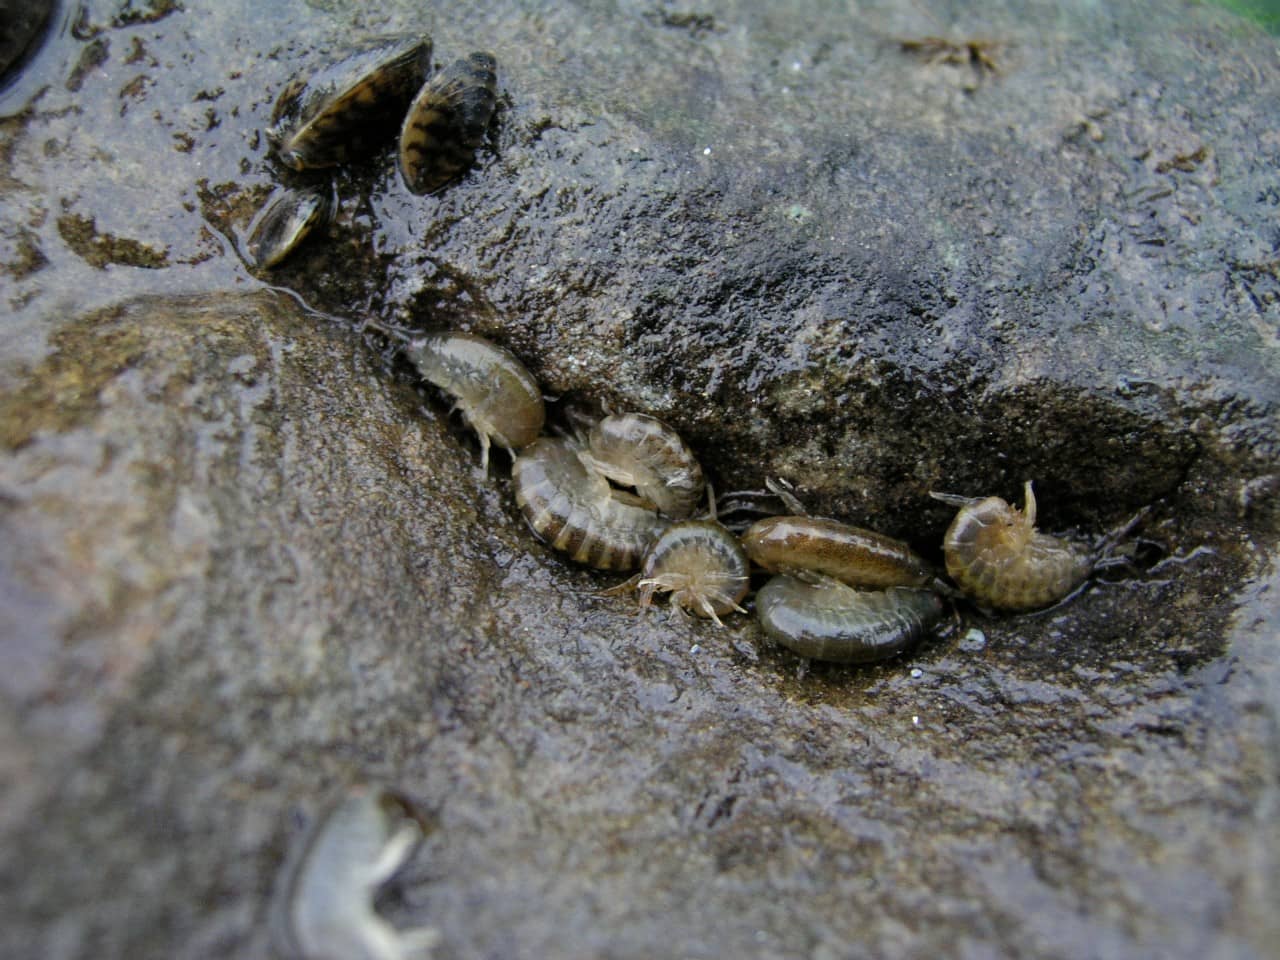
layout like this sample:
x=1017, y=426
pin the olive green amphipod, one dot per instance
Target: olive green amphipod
x=327, y=117
x=852, y=555
x=830, y=620
x=997, y=557
x=447, y=121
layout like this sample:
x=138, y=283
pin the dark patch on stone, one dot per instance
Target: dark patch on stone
x=22, y=25
x=98, y=249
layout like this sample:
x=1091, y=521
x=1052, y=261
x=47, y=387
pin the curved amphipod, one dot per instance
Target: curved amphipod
x=852, y=555
x=446, y=122
x=326, y=909
x=996, y=556
x=496, y=395
x=829, y=620
x=320, y=117
x=640, y=451
x=573, y=509
x=703, y=567
x=286, y=220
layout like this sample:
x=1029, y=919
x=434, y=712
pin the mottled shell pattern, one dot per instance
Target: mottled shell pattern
x=286, y=220
x=828, y=620
x=702, y=565
x=996, y=556
x=640, y=451
x=852, y=555
x=447, y=121
x=494, y=391
x=572, y=508
x=347, y=107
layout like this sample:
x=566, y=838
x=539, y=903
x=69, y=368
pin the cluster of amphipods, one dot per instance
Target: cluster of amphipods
x=336, y=114
x=623, y=495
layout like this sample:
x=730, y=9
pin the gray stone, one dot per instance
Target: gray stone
x=248, y=561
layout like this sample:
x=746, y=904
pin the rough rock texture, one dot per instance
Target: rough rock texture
x=247, y=561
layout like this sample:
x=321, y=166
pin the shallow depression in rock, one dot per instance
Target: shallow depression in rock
x=250, y=559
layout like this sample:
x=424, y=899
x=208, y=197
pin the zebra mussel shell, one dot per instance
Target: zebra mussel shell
x=346, y=108
x=286, y=220
x=447, y=122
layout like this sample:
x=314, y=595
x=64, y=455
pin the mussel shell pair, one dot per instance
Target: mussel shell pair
x=349, y=106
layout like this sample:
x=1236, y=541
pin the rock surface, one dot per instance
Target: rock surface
x=246, y=560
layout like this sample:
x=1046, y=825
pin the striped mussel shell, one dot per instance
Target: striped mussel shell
x=447, y=122
x=287, y=218
x=326, y=117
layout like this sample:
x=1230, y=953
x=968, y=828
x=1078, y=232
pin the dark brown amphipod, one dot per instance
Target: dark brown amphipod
x=447, y=121
x=324, y=118
x=996, y=556
x=852, y=555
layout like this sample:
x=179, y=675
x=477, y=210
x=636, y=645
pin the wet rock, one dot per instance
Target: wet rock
x=247, y=560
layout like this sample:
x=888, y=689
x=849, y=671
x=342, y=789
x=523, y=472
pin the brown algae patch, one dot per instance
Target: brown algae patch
x=99, y=249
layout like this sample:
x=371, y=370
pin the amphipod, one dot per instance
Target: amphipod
x=829, y=620
x=446, y=122
x=496, y=395
x=852, y=555
x=573, y=509
x=996, y=556
x=327, y=117
x=284, y=222
x=326, y=911
x=703, y=567
x=636, y=450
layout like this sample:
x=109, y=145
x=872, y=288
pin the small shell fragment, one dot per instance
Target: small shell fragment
x=346, y=108
x=287, y=219
x=829, y=620
x=447, y=121
x=326, y=911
